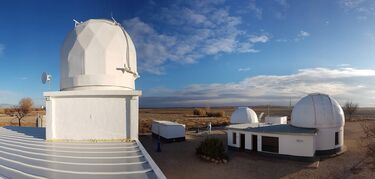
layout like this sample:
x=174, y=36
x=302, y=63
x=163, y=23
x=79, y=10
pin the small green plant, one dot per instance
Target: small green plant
x=212, y=149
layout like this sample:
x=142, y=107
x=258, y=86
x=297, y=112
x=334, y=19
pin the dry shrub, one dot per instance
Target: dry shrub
x=213, y=148
x=349, y=109
x=216, y=114
x=9, y=111
x=369, y=131
x=199, y=112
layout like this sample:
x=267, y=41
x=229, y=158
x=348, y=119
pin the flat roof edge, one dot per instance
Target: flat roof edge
x=93, y=93
x=152, y=163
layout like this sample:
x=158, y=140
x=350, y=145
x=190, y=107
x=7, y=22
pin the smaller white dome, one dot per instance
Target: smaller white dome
x=317, y=111
x=243, y=115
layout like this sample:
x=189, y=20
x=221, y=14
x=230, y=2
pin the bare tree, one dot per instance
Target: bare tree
x=350, y=108
x=24, y=107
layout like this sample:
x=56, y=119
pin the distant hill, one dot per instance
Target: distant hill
x=5, y=105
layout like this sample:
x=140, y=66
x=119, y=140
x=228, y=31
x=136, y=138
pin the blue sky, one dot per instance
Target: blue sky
x=211, y=53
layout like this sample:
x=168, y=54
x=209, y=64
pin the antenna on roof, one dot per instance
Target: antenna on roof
x=113, y=19
x=46, y=78
x=76, y=22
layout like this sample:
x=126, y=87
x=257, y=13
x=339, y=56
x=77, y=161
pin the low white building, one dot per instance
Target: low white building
x=276, y=119
x=168, y=131
x=316, y=129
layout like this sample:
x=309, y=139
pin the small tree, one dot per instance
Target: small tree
x=349, y=109
x=24, y=107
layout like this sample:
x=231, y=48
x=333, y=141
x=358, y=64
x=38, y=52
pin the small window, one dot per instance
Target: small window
x=337, y=138
x=234, y=138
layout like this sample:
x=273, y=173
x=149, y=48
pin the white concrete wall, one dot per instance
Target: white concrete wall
x=248, y=141
x=230, y=138
x=295, y=145
x=325, y=139
x=168, y=131
x=92, y=117
x=276, y=119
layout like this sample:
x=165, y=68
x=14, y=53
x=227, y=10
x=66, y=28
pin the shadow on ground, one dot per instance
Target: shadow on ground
x=30, y=131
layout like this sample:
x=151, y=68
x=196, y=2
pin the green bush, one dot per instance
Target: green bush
x=213, y=148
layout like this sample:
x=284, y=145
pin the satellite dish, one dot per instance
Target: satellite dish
x=46, y=77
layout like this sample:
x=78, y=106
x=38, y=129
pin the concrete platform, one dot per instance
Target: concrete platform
x=24, y=153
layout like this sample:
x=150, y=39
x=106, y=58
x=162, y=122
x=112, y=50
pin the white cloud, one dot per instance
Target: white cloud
x=352, y=3
x=344, y=65
x=22, y=78
x=255, y=9
x=302, y=35
x=362, y=9
x=244, y=69
x=258, y=39
x=194, y=30
x=342, y=83
x=282, y=40
x=281, y=11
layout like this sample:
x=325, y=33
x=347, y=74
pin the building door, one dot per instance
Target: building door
x=254, y=140
x=242, y=142
x=270, y=144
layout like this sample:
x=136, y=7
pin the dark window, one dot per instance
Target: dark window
x=270, y=144
x=234, y=138
x=242, y=141
x=337, y=138
x=255, y=142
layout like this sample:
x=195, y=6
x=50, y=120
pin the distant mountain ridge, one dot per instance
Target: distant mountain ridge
x=6, y=105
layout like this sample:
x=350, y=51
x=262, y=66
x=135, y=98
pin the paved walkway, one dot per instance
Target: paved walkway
x=25, y=154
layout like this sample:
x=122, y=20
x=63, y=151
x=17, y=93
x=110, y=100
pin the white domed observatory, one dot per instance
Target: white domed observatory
x=323, y=113
x=98, y=55
x=243, y=115
x=97, y=97
x=316, y=129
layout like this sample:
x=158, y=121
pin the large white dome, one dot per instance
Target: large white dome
x=317, y=111
x=98, y=54
x=243, y=115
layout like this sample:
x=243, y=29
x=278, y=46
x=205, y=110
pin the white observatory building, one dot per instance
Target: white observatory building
x=316, y=128
x=321, y=112
x=92, y=122
x=97, y=98
x=243, y=115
